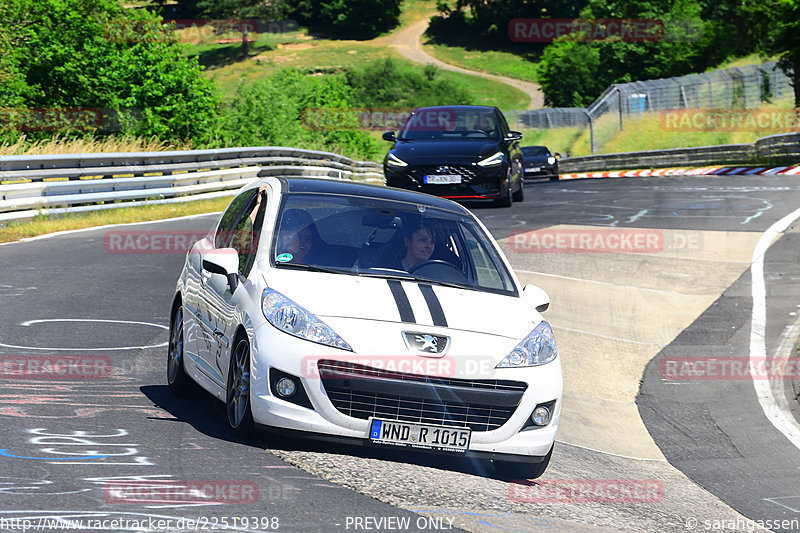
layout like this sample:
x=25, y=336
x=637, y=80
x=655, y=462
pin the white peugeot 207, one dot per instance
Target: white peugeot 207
x=371, y=315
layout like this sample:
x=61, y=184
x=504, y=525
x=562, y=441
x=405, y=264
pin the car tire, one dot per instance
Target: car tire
x=238, y=413
x=519, y=196
x=554, y=177
x=511, y=470
x=177, y=379
x=507, y=200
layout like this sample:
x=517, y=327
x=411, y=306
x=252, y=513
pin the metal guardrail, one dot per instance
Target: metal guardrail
x=773, y=149
x=64, y=183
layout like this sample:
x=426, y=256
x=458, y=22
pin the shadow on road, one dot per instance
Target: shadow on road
x=196, y=407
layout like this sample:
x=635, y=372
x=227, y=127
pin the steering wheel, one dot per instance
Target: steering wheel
x=423, y=264
x=439, y=270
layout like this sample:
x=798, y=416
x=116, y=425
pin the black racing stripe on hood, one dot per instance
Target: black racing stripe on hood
x=435, y=307
x=401, y=299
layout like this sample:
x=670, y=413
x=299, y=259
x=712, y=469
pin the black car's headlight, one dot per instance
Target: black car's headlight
x=394, y=161
x=292, y=318
x=492, y=160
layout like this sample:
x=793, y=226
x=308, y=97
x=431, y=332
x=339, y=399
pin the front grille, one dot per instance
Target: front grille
x=467, y=172
x=364, y=392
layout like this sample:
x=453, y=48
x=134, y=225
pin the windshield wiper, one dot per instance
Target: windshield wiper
x=312, y=268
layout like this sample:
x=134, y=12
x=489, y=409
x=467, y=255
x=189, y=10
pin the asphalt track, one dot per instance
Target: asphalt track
x=717, y=458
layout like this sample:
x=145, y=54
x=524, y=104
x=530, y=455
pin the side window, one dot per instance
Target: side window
x=248, y=232
x=503, y=124
x=488, y=274
x=230, y=217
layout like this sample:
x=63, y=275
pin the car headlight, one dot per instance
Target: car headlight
x=492, y=160
x=394, y=161
x=538, y=348
x=292, y=318
x=551, y=160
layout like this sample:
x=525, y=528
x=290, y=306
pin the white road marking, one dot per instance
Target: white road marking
x=92, y=228
x=637, y=216
x=612, y=454
x=31, y=322
x=619, y=339
x=780, y=418
x=616, y=285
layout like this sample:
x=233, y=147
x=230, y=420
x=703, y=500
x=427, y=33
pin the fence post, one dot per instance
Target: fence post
x=619, y=105
x=591, y=132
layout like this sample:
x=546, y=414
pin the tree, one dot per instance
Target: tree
x=778, y=23
x=569, y=73
x=95, y=54
x=351, y=19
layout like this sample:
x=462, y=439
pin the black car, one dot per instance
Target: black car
x=463, y=153
x=539, y=161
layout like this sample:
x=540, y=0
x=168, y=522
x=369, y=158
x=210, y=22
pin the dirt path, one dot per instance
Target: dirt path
x=408, y=41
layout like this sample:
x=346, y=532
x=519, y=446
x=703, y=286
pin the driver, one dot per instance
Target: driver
x=297, y=236
x=419, y=241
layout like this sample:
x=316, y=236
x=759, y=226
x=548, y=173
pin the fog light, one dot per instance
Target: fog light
x=541, y=416
x=285, y=387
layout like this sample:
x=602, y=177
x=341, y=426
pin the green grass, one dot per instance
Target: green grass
x=498, y=62
x=561, y=140
x=647, y=132
x=41, y=225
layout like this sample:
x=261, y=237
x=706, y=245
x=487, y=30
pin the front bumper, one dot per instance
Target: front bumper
x=477, y=183
x=545, y=171
x=503, y=430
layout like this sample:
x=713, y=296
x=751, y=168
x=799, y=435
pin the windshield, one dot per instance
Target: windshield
x=450, y=123
x=535, y=150
x=373, y=237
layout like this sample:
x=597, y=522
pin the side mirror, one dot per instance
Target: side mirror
x=513, y=136
x=536, y=297
x=224, y=261
x=389, y=136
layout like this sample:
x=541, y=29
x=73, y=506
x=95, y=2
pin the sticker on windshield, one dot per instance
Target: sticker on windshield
x=284, y=258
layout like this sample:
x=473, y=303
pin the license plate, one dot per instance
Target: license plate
x=534, y=169
x=396, y=433
x=442, y=179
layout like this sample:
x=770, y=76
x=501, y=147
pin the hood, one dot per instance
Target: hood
x=423, y=151
x=358, y=297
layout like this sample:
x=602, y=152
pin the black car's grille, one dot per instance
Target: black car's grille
x=363, y=392
x=467, y=172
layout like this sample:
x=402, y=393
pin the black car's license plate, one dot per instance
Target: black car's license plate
x=442, y=179
x=398, y=433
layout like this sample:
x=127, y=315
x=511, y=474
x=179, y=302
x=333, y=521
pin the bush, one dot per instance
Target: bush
x=384, y=83
x=94, y=54
x=269, y=112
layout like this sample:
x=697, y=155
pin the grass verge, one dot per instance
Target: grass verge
x=42, y=225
